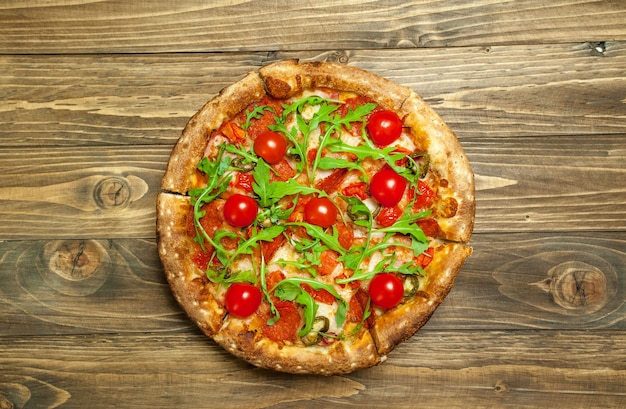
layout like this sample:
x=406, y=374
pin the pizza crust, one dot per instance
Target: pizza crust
x=180, y=174
x=289, y=77
x=188, y=284
x=448, y=158
x=341, y=357
x=400, y=323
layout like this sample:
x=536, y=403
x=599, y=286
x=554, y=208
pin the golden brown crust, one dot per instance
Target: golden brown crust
x=340, y=357
x=179, y=176
x=187, y=282
x=290, y=77
x=400, y=323
x=448, y=159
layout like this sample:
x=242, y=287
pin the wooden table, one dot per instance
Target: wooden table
x=93, y=96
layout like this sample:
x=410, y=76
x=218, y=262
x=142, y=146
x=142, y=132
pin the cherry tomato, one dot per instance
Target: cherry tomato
x=270, y=146
x=240, y=210
x=386, y=290
x=387, y=187
x=242, y=299
x=320, y=211
x=384, y=127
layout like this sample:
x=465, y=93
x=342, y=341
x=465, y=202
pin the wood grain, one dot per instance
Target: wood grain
x=495, y=91
x=434, y=369
x=514, y=281
x=110, y=192
x=94, y=94
x=58, y=27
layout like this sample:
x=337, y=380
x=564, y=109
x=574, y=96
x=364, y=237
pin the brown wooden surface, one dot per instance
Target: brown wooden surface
x=93, y=96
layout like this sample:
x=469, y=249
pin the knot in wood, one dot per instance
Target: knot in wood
x=576, y=285
x=113, y=192
x=74, y=267
x=338, y=56
x=501, y=387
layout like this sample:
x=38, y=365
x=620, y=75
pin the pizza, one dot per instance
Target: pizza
x=313, y=216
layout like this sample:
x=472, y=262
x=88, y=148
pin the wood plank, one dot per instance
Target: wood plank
x=564, y=89
x=109, y=192
x=438, y=369
x=512, y=281
x=59, y=27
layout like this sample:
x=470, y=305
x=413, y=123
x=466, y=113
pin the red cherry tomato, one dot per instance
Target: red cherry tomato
x=270, y=146
x=242, y=299
x=386, y=290
x=387, y=187
x=320, y=211
x=240, y=210
x=384, y=127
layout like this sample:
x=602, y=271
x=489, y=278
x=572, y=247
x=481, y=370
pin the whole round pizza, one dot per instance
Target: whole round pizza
x=313, y=216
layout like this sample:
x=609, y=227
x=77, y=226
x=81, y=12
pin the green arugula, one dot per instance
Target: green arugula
x=325, y=115
x=289, y=289
x=217, y=184
x=256, y=113
x=412, y=171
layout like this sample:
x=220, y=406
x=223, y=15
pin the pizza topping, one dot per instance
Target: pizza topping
x=319, y=327
x=240, y=210
x=386, y=290
x=288, y=323
x=270, y=146
x=310, y=212
x=384, y=127
x=425, y=195
x=242, y=299
x=320, y=211
x=410, y=285
x=387, y=216
x=387, y=187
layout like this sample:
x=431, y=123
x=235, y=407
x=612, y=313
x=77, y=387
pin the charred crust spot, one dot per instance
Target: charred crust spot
x=422, y=294
x=277, y=88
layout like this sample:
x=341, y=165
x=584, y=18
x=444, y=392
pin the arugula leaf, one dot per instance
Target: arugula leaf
x=294, y=290
x=268, y=234
x=337, y=163
x=261, y=175
x=224, y=276
x=290, y=291
x=330, y=240
x=406, y=225
x=256, y=113
x=217, y=184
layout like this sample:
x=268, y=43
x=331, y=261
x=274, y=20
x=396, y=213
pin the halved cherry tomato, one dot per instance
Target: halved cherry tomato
x=320, y=211
x=270, y=146
x=386, y=290
x=240, y=210
x=387, y=187
x=384, y=127
x=242, y=299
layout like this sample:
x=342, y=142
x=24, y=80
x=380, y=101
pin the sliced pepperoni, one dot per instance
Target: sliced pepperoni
x=345, y=235
x=328, y=262
x=332, y=182
x=357, y=306
x=322, y=295
x=429, y=226
x=287, y=326
x=282, y=171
